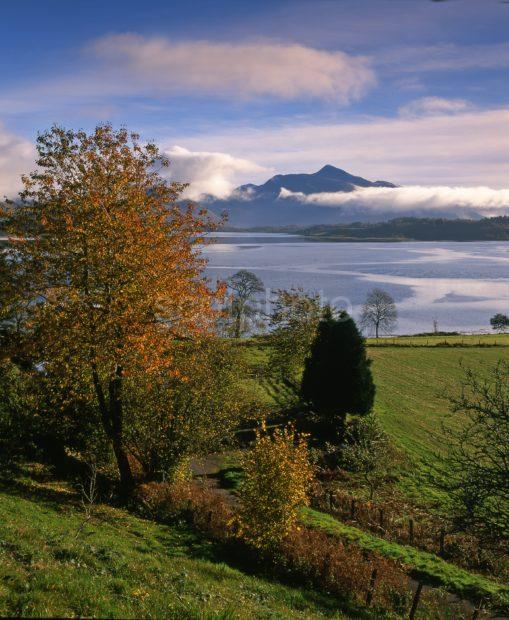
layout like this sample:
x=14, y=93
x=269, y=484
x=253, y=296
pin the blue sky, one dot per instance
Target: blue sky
x=413, y=91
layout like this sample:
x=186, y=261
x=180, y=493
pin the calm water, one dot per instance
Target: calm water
x=461, y=285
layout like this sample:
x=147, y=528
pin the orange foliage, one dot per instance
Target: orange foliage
x=110, y=263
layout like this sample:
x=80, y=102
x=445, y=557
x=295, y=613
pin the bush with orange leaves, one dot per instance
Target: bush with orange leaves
x=277, y=475
x=199, y=505
x=341, y=568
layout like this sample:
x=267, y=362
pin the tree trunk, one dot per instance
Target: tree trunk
x=117, y=434
x=376, y=330
x=239, y=311
x=124, y=469
x=112, y=419
x=237, y=325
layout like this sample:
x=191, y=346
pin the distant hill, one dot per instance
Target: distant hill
x=261, y=205
x=414, y=229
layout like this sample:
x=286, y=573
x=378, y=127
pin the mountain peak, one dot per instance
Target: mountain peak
x=329, y=169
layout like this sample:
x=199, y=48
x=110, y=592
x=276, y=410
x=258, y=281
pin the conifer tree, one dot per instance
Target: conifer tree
x=337, y=377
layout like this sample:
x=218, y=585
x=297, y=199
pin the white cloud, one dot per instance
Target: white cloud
x=466, y=149
x=434, y=106
x=246, y=70
x=211, y=173
x=17, y=157
x=208, y=173
x=400, y=199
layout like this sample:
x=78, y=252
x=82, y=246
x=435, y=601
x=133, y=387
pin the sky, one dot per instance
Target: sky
x=415, y=92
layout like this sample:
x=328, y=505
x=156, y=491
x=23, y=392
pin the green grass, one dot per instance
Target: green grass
x=414, y=386
x=118, y=565
x=420, y=565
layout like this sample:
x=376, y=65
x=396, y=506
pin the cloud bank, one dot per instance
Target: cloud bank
x=483, y=200
x=17, y=157
x=208, y=173
x=245, y=70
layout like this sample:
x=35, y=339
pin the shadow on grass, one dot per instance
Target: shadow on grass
x=54, y=498
x=235, y=555
x=228, y=477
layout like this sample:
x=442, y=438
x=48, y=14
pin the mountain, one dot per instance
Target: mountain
x=327, y=179
x=262, y=205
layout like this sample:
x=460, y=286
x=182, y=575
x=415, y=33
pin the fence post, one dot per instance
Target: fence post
x=352, y=509
x=411, y=530
x=415, y=602
x=442, y=542
x=326, y=567
x=371, y=588
x=477, y=611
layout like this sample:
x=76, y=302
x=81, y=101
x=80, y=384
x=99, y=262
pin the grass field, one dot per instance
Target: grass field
x=433, y=341
x=118, y=565
x=414, y=386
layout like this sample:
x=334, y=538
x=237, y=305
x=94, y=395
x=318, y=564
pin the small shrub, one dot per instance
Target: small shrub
x=369, y=453
x=202, y=507
x=277, y=474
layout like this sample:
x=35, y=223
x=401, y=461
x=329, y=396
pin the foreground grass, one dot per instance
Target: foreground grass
x=422, y=566
x=53, y=563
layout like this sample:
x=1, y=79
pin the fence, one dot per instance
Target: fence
x=424, y=531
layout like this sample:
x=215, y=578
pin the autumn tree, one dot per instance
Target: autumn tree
x=243, y=286
x=294, y=320
x=379, y=312
x=111, y=267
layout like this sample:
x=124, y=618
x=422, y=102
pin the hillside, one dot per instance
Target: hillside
x=54, y=563
x=412, y=404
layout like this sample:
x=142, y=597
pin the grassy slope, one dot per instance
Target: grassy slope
x=413, y=388
x=122, y=566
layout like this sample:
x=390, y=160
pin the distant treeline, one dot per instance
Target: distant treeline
x=417, y=229
x=403, y=229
